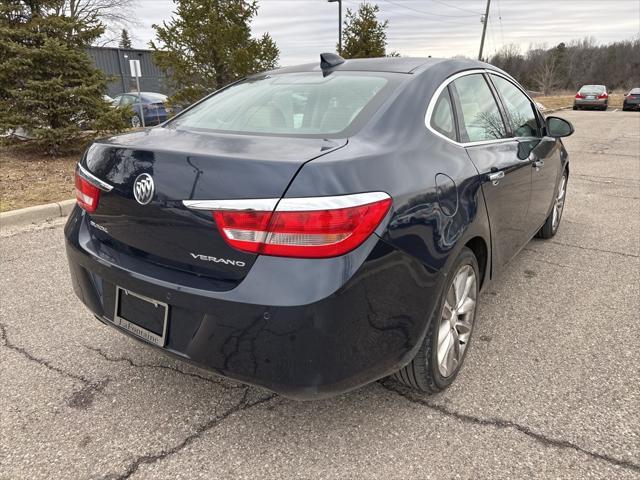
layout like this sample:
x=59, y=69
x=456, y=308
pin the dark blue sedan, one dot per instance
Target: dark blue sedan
x=151, y=106
x=315, y=228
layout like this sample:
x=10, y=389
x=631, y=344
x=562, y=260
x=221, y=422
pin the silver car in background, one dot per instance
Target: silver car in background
x=591, y=96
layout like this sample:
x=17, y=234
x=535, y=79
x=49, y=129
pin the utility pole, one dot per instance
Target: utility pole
x=484, y=21
x=339, y=24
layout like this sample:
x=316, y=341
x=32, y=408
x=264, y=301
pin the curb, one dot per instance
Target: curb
x=36, y=214
x=552, y=110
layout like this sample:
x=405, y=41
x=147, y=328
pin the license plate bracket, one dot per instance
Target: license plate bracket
x=142, y=316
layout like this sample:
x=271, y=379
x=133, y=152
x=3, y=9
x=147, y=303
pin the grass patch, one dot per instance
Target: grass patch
x=28, y=179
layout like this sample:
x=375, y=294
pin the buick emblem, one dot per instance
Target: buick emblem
x=143, y=189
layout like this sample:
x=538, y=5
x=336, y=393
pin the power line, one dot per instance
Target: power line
x=428, y=13
x=457, y=7
x=492, y=29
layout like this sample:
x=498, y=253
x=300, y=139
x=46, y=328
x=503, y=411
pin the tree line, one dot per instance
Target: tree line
x=50, y=88
x=568, y=66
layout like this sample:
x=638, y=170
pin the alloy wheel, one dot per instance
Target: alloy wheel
x=559, y=205
x=135, y=121
x=456, y=320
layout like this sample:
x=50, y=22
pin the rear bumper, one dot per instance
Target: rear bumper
x=303, y=328
x=590, y=103
x=631, y=106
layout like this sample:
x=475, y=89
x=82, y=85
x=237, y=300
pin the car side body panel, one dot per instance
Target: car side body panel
x=404, y=163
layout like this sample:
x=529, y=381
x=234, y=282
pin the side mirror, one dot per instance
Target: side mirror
x=559, y=127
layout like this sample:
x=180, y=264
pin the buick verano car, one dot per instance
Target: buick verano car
x=315, y=228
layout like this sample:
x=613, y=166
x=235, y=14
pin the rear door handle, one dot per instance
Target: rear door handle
x=495, y=177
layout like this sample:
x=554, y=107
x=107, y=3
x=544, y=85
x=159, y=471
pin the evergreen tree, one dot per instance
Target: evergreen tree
x=364, y=36
x=207, y=44
x=48, y=85
x=125, y=39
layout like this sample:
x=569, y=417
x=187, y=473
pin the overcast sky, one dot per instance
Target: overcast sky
x=440, y=28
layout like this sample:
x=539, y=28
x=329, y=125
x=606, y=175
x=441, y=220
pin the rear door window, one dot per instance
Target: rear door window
x=521, y=115
x=592, y=89
x=479, y=117
x=128, y=100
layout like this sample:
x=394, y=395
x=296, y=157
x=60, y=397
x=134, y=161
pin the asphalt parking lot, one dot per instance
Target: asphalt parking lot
x=550, y=389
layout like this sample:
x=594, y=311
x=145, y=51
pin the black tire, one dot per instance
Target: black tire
x=422, y=373
x=575, y=107
x=549, y=230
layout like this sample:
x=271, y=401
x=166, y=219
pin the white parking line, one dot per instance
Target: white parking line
x=616, y=109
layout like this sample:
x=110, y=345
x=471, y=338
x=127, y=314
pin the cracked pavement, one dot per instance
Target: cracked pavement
x=549, y=388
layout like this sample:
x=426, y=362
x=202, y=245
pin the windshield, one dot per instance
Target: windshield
x=592, y=89
x=290, y=104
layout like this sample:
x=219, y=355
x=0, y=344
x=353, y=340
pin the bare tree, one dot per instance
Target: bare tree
x=113, y=14
x=509, y=59
x=573, y=64
x=547, y=74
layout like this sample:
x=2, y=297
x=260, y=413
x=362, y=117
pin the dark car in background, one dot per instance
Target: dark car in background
x=314, y=228
x=631, y=100
x=591, y=96
x=152, y=106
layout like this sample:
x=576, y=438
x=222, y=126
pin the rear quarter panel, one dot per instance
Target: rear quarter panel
x=418, y=224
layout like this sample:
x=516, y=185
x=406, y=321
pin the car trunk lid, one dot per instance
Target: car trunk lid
x=155, y=110
x=187, y=165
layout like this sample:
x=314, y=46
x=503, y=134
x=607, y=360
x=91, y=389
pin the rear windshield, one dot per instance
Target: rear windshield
x=592, y=89
x=153, y=97
x=305, y=104
x=635, y=91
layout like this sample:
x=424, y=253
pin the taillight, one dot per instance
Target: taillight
x=88, y=189
x=317, y=227
x=579, y=95
x=603, y=96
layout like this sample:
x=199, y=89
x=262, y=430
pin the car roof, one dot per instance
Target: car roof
x=142, y=93
x=383, y=64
